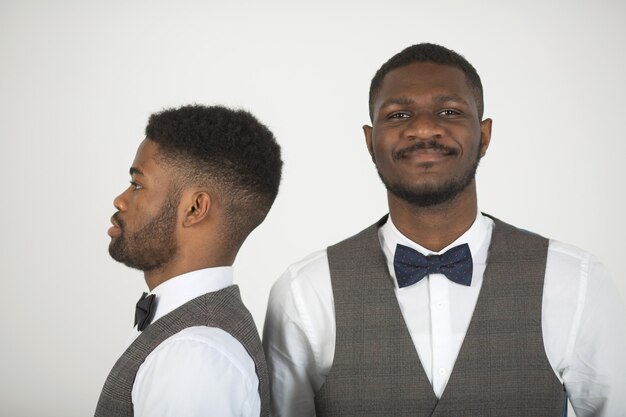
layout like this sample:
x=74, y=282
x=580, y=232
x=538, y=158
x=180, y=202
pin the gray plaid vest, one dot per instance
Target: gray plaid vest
x=501, y=370
x=223, y=309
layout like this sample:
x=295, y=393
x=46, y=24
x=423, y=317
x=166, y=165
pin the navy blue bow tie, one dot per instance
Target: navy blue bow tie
x=411, y=266
x=143, y=311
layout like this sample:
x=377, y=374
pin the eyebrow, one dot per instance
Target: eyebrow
x=447, y=98
x=402, y=101
x=135, y=171
x=440, y=99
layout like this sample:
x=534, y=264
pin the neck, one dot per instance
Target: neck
x=187, y=260
x=437, y=226
x=155, y=277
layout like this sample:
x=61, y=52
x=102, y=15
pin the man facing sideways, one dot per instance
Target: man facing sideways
x=438, y=309
x=201, y=181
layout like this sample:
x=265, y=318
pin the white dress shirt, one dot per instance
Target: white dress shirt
x=583, y=324
x=199, y=371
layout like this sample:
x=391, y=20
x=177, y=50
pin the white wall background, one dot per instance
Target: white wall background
x=78, y=80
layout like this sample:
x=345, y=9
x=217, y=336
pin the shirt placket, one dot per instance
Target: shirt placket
x=440, y=331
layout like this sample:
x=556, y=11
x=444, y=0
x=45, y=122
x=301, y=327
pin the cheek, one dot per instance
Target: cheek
x=384, y=163
x=378, y=146
x=141, y=213
x=383, y=152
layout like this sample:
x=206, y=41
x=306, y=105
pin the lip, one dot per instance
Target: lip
x=427, y=151
x=115, y=230
x=426, y=155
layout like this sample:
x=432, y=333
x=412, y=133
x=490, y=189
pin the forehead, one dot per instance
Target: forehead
x=424, y=79
x=147, y=158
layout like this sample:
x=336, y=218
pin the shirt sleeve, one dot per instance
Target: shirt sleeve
x=298, y=338
x=593, y=362
x=197, y=372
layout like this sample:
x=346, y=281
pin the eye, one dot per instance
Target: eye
x=136, y=186
x=398, y=115
x=449, y=112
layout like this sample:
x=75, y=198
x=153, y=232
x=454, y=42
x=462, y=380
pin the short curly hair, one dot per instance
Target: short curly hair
x=428, y=52
x=227, y=149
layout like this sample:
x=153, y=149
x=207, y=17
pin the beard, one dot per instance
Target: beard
x=429, y=195
x=152, y=246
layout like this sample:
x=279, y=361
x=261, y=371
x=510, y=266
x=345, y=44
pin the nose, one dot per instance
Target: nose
x=120, y=202
x=423, y=126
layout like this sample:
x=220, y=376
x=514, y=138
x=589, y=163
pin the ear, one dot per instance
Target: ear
x=197, y=209
x=367, y=130
x=485, y=136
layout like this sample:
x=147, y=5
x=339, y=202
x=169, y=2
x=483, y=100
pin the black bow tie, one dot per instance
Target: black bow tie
x=143, y=311
x=411, y=266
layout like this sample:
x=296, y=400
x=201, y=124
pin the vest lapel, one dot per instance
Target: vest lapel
x=370, y=376
x=502, y=366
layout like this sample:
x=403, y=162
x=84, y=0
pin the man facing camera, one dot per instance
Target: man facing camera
x=201, y=181
x=438, y=309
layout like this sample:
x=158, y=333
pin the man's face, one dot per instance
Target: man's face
x=143, y=232
x=426, y=138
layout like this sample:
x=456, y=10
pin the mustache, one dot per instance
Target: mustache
x=421, y=145
x=116, y=219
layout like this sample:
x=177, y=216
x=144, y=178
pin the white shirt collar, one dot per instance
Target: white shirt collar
x=176, y=291
x=475, y=237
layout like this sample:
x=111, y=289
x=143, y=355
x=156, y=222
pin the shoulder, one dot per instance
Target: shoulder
x=196, y=350
x=575, y=273
x=568, y=260
x=558, y=248
x=191, y=364
x=563, y=259
x=311, y=264
x=306, y=274
x=576, y=285
x=212, y=340
x=313, y=271
x=301, y=302
x=202, y=346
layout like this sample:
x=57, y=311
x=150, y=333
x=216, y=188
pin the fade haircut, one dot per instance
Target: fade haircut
x=429, y=52
x=229, y=150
